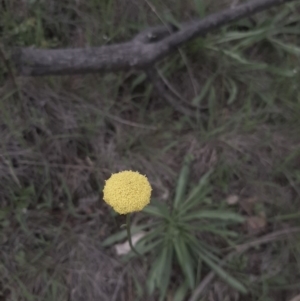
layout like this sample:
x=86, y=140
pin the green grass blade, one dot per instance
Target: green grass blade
x=236, y=36
x=144, y=247
x=200, y=7
x=152, y=235
x=182, y=181
x=121, y=235
x=198, y=193
x=160, y=211
x=232, y=89
x=154, y=274
x=289, y=48
x=212, y=101
x=214, y=214
x=159, y=274
x=137, y=81
x=185, y=261
x=26, y=294
x=214, y=229
x=181, y=292
x=204, y=91
x=166, y=273
x=199, y=247
x=224, y=275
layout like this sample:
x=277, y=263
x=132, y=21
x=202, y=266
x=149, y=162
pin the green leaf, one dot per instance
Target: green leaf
x=199, y=248
x=201, y=7
x=214, y=214
x=152, y=235
x=206, y=87
x=282, y=15
x=235, y=35
x=149, y=242
x=182, y=180
x=235, y=55
x=158, y=210
x=212, y=228
x=212, y=108
x=252, y=65
x=281, y=71
x=144, y=247
x=122, y=235
x=197, y=194
x=166, y=273
x=232, y=89
x=250, y=41
x=181, y=292
x=153, y=274
x=169, y=17
x=224, y=275
x=161, y=206
x=4, y=212
x=137, y=285
x=160, y=272
x=290, y=48
x=138, y=80
x=216, y=230
x=185, y=261
x=25, y=292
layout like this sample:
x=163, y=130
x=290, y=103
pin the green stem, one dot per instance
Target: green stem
x=129, y=235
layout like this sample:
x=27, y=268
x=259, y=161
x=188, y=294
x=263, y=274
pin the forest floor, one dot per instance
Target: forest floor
x=62, y=137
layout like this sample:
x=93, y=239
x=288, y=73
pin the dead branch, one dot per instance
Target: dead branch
x=138, y=53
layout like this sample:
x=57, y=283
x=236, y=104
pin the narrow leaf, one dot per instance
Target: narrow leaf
x=182, y=180
x=214, y=214
x=185, y=261
x=198, y=193
x=232, y=89
x=224, y=275
x=122, y=235
x=181, y=292
x=143, y=248
x=159, y=274
x=138, y=80
x=157, y=211
x=290, y=48
x=166, y=273
x=206, y=87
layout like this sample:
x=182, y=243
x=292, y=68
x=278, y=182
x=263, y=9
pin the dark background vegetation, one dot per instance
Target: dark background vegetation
x=61, y=137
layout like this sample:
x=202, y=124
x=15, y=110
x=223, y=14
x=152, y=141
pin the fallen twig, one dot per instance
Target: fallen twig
x=137, y=53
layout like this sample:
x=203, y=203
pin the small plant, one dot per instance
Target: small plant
x=126, y=192
x=173, y=236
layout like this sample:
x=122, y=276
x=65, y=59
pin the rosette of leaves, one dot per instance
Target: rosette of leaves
x=172, y=241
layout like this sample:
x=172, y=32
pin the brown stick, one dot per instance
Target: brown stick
x=136, y=53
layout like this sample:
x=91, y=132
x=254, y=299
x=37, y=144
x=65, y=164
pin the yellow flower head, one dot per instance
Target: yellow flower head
x=127, y=191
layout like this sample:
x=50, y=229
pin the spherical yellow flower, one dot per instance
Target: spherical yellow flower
x=127, y=191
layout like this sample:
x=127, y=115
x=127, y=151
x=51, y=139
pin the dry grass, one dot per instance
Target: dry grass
x=66, y=135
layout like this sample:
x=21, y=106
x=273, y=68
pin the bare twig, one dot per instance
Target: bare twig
x=132, y=54
x=240, y=249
